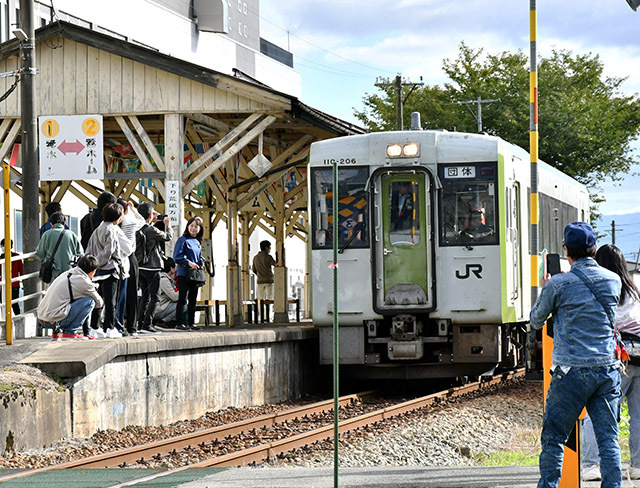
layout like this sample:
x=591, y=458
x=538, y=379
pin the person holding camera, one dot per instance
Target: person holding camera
x=585, y=365
x=188, y=256
x=150, y=263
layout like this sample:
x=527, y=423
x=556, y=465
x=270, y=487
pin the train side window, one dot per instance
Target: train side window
x=353, y=208
x=468, y=204
x=404, y=220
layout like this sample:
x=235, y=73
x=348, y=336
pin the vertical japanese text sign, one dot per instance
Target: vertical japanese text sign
x=173, y=202
x=71, y=147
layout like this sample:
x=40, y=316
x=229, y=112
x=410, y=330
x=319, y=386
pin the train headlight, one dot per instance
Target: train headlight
x=410, y=149
x=394, y=150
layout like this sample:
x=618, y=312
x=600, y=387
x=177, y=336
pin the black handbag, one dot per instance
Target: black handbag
x=46, y=268
x=196, y=276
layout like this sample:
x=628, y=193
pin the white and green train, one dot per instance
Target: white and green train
x=434, y=259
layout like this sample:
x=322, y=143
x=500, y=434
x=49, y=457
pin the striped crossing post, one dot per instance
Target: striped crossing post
x=571, y=466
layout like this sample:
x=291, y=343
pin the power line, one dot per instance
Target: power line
x=321, y=48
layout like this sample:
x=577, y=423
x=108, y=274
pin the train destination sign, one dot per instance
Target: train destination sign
x=70, y=147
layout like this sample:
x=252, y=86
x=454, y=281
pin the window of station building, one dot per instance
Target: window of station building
x=353, y=208
x=4, y=21
x=468, y=204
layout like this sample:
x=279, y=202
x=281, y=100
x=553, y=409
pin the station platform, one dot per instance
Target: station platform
x=153, y=379
x=374, y=477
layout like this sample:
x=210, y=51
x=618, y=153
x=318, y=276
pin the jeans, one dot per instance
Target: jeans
x=78, y=316
x=122, y=303
x=631, y=390
x=597, y=388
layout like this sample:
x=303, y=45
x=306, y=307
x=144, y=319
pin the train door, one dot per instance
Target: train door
x=513, y=248
x=403, y=242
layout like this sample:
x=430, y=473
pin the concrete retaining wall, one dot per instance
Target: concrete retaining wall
x=158, y=389
x=31, y=418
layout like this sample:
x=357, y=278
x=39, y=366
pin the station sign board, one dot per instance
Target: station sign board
x=71, y=147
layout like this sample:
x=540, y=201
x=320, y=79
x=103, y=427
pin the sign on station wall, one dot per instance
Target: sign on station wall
x=71, y=147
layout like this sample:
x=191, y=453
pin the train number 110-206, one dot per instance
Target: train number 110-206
x=340, y=161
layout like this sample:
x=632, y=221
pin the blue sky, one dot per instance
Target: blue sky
x=341, y=46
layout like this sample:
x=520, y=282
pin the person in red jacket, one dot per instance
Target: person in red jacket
x=17, y=269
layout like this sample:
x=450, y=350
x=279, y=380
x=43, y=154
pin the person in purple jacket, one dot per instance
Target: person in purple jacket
x=187, y=253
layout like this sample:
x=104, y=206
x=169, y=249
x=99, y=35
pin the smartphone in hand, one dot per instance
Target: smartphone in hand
x=553, y=264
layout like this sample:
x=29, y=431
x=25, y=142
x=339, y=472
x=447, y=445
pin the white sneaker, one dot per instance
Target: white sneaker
x=591, y=473
x=634, y=473
x=96, y=333
x=113, y=334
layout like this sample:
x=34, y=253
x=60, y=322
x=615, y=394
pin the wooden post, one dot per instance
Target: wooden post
x=174, y=154
x=280, y=292
x=234, y=290
x=245, y=234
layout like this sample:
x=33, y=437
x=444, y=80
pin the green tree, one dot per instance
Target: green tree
x=587, y=124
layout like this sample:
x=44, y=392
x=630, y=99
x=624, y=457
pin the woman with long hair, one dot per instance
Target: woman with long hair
x=188, y=255
x=628, y=322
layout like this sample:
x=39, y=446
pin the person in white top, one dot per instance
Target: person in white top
x=127, y=316
x=628, y=322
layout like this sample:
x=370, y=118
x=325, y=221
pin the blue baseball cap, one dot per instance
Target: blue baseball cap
x=579, y=235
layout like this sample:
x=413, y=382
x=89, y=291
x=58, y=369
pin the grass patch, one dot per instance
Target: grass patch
x=7, y=387
x=508, y=458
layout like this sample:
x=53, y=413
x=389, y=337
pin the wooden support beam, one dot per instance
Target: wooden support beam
x=229, y=153
x=221, y=144
x=82, y=196
x=4, y=127
x=300, y=202
x=90, y=188
x=61, y=192
x=146, y=140
x=7, y=144
x=300, y=187
x=133, y=140
x=130, y=187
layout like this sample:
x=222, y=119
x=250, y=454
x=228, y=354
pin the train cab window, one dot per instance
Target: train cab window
x=468, y=214
x=404, y=221
x=353, y=208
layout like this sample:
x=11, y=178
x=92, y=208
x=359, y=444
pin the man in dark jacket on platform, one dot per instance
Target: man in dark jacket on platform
x=151, y=262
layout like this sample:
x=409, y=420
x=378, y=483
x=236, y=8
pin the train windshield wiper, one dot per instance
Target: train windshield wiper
x=354, y=233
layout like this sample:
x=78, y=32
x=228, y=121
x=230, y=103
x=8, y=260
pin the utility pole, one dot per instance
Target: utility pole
x=29, y=147
x=479, y=101
x=613, y=232
x=398, y=84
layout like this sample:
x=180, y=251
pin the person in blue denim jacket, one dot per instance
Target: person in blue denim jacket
x=585, y=369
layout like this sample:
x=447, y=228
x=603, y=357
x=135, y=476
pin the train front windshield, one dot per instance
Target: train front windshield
x=468, y=204
x=353, y=208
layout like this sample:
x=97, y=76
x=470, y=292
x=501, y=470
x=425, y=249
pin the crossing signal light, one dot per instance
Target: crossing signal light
x=634, y=4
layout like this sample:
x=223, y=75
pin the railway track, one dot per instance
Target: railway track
x=218, y=436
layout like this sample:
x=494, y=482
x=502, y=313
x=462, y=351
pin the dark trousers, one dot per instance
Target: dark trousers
x=150, y=284
x=108, y=289
x=187, y=290
x=15, y=294
x=131, y=311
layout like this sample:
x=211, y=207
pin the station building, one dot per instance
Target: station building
x=190, y=97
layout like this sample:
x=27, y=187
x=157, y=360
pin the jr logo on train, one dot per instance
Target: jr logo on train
x=434, y=253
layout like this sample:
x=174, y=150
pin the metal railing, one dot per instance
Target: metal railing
x=8, y=281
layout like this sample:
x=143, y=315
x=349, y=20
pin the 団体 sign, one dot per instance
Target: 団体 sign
x=71, y=147
x=172, y=207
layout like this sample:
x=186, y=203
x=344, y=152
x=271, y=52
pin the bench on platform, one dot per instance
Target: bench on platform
x=257, y=311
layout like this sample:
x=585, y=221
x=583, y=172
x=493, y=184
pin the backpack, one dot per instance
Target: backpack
x=142, y=254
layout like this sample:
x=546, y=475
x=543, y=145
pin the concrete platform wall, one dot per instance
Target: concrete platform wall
x=161, y=388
